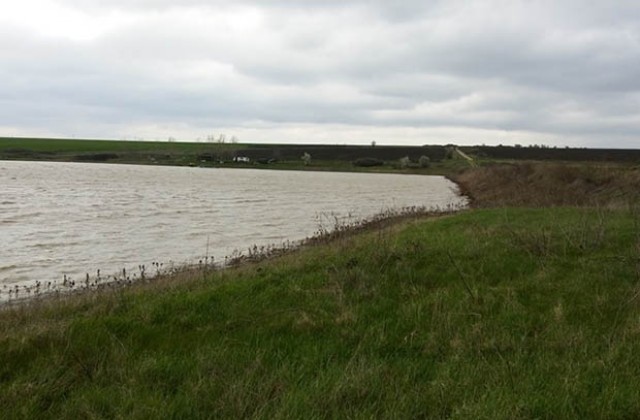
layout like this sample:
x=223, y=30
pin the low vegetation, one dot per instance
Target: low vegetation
x=551, y=184
x=367, y=162
x=553, y=154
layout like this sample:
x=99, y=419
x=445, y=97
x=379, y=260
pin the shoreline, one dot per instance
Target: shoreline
x=38, y=293
x=474, y=199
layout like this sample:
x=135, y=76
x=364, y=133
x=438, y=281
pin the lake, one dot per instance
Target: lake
x=69, y=219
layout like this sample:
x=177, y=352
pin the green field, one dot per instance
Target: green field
x=112, y=151
x=69, y=146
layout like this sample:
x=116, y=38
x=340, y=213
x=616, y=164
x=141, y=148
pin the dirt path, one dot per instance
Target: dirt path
x=468, y=158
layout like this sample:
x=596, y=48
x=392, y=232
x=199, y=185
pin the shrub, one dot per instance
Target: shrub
x=368, y=162
x=97, y=157
x=448, y=152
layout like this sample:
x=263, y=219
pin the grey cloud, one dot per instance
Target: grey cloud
x=566, y=69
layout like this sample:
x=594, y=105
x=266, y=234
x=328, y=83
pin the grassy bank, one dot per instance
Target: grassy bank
x=497, y=313
x=535, y=184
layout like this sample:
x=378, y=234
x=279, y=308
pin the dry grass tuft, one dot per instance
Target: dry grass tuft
x=551, y=184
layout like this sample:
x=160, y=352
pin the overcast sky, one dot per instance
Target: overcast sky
x=563, y=73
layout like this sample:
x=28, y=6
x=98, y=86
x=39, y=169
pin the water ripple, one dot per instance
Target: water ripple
x=72, y=218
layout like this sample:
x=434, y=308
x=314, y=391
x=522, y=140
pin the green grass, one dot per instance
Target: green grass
x=39, y=145
x=503, y=313
x=113, y=151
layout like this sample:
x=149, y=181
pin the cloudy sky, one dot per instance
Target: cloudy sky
x=563, y=73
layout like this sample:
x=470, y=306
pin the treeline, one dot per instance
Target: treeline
x=548, y=153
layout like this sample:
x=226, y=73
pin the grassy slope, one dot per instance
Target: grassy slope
x=501, y=313
x=551, y=184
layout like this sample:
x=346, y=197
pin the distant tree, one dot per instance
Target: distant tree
x=222, y=138
x=404, y=162
x=171, y=139
x=448, y=152
x=306, y=158
x=373, y=143
x=424, y=161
